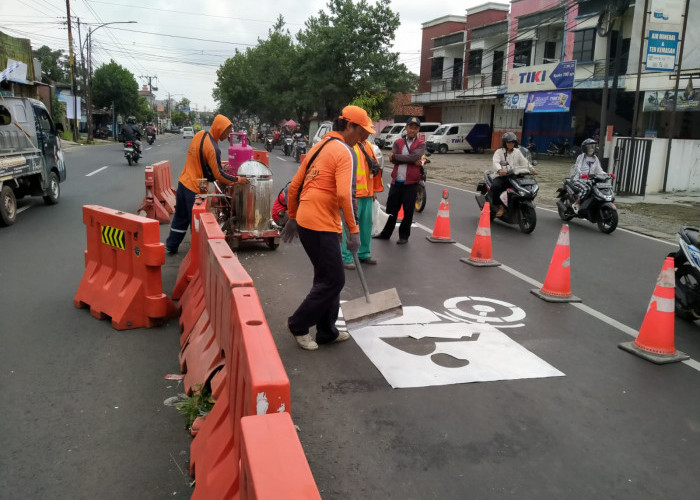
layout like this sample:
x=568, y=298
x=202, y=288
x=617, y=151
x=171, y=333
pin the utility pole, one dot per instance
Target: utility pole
x=72, y=75
x=635, y=116
x=151, y=87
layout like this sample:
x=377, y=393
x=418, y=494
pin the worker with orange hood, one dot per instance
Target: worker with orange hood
x=203, y=165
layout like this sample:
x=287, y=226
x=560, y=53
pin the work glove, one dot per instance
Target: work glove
x=289, y=232
x=353, y=242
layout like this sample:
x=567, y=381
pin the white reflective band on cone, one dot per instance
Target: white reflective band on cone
x=483, y=231
x=662, y=305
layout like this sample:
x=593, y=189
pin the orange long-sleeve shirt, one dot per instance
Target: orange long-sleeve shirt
x=328, y=187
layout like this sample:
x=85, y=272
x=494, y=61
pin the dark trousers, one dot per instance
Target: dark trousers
x=184, y=200
x=321, y=305
x=400, y=195
x=499, y=184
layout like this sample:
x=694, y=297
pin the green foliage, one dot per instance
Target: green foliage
x=197, y=405
x=54, y=64
x=112, y=83
x=178, y=118
x=58, y=108
x=341, y=56
x=143, y=111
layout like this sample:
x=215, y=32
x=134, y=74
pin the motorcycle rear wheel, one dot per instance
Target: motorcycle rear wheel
x=420, y=198
x=128, y=159
x=685, y=278
x=528, y=219
x=607, y=222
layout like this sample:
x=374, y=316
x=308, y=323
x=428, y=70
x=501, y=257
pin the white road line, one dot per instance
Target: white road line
x=22, y=209
x=148, y=149
x=582, y=307
x=98, y=170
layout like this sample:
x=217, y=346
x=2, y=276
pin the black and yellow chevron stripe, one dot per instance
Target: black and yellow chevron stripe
x=114, y=237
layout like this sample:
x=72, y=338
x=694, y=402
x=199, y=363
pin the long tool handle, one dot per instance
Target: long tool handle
x=356, y=259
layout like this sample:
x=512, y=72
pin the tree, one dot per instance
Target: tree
x=346, y=53
x=112, y=83
x=54, y=64
x=178, y=118
x=183, y=105
x=143, y=111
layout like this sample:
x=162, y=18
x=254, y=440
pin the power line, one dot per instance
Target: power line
x=187, y=37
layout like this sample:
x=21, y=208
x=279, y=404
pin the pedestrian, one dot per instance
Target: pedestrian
x=320, y=190
x=203, y=164
x=368, y=182
x=406, y=155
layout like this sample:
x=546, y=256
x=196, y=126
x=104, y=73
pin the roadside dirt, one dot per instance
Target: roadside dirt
x=661, y=220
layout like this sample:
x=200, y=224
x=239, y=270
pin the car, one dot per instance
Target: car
x=323, y=129
x=187, y=132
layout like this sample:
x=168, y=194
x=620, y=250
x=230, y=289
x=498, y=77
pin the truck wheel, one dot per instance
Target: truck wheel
x=54, y=191
x=442, y=149
x=8, y=206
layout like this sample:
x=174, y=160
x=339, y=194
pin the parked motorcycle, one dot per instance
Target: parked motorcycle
x=687, y=264
x=299, y=148
x=598, y=206
x=518, y=198
x=269, y=142
x=564, y=149
x=288, y=143
x=131, y=152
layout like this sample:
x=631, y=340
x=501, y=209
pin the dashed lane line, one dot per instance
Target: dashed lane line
x=582, y=307
x=96, y=171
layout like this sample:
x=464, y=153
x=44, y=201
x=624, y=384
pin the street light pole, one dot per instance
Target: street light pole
x=88, y=41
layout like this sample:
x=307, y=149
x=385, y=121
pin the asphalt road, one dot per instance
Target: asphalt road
x=84, y=414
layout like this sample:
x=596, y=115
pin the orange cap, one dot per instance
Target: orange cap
x=359, y=116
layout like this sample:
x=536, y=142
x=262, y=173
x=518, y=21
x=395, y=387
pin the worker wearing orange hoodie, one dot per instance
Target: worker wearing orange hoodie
x=203, y=162
x=322, y=188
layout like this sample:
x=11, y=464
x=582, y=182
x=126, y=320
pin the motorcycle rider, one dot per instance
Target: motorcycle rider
x=131, y=134
x=587, y=165
x=506, y=159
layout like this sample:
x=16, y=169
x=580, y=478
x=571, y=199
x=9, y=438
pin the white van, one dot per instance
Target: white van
x=381, y=136
x=460, y=137
x=427, y=129
x=394, y=133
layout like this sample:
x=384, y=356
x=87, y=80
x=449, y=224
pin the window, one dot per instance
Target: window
x=436, y=68
x=457, y=74
x=452, y=131
x=5, y=118
x=584, y=45
x=521, y=55
x=386, y=129
x=497, y=77
x=550, y=50
x=44, y=120
x=474, y=62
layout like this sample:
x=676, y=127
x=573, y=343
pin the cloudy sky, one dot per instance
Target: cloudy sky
x=184, y=42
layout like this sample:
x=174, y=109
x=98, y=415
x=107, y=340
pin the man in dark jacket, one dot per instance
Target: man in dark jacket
x=406, y=156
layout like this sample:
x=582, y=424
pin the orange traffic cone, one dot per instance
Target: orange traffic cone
x=655, y=339
x=481, y=249
x=557, y=284
x=399, y=217
x=441, y=231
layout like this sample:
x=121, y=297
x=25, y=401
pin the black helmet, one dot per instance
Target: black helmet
x=509, y=137
x=589, y=146
x=131, y=120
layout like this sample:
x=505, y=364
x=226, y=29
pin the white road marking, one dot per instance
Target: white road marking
x=582, y=307
x=22, y=209
x=98, y=170
x=148, y=149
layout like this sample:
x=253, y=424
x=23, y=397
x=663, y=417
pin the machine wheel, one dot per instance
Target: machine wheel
x=8, y=206
x=686, y=278
x=607, y=222
x=54, y=190
x=272, y=243
x=442, y=149
x=528, y=219
x=420, y=198
x=128, y=159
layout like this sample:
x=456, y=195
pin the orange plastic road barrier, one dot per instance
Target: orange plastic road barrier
x=189, y=264
x=261, y=156
x=150, y=206
x=122, y=276
x=557, y=284
x=480, y=255
x=441, y=231
x=257, y=384
x=655, y=341
x=271, y=448
x=164, y=185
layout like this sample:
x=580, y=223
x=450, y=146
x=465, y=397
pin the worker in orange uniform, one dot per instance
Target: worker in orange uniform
x=203, y=162
x=369, y=181
x=322, y=188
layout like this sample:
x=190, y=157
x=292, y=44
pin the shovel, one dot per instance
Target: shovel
x=378, y=306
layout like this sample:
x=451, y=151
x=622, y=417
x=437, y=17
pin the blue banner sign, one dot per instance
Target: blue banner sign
x=563, y=75
x=662, y=47
x=553, y=101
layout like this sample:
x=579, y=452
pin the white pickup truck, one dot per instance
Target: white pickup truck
x=31, y=160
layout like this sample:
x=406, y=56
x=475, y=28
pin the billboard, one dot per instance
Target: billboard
x=662, y=47
x=553, y=101
x=542, y=77
x=515, y=101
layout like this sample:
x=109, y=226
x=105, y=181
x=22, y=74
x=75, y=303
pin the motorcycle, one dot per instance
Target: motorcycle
x=131, y=152
x=598, y=206
x=269, y=143
x=421, y=195
x=518, y=198
x=687, y=264
x=151, y=138
x=299, y=148
x=288, y=143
